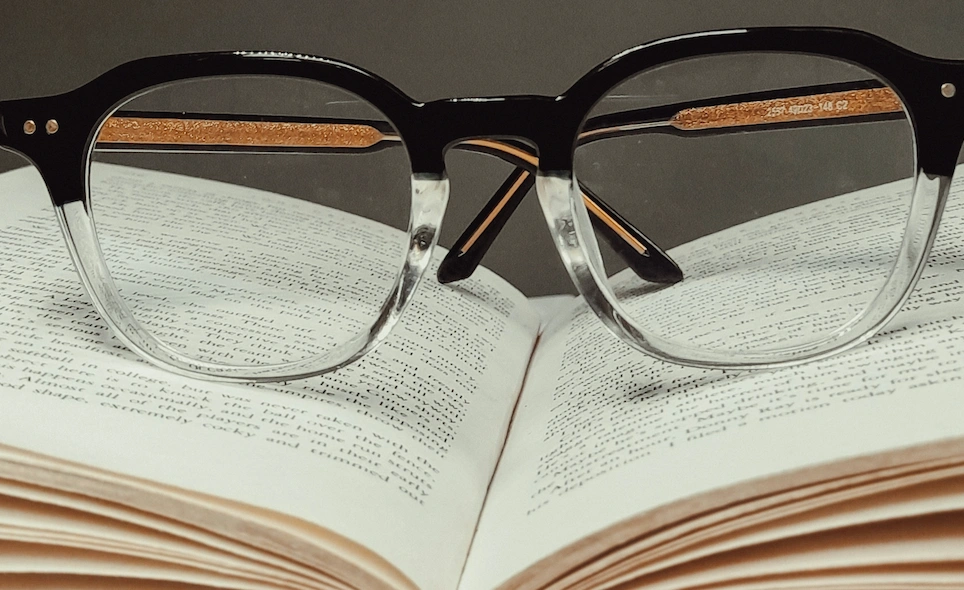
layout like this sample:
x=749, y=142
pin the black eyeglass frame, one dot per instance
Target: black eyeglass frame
x=429, y=129
x=549, y=124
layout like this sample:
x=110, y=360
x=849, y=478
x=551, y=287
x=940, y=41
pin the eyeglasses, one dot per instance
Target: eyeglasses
x=733, y=199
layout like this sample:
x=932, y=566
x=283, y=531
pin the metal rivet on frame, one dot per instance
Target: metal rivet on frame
x=29, y=127
x=52, y=126
x=948, y=90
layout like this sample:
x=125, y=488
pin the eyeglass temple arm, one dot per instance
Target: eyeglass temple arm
x=841, y=103
x=646, y=259
x=194, y=132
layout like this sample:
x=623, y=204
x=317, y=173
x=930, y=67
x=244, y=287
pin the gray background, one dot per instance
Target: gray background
x=430, y=50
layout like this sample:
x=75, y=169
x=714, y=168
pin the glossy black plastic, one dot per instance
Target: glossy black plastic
x=549, y=123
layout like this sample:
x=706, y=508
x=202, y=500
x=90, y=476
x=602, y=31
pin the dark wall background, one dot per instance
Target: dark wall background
x=430, y=50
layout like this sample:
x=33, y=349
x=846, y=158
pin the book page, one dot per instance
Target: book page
x=603, y=433
x=394, y=452
x=551, y=306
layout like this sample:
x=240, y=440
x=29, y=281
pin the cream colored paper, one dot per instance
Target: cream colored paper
x=306, y=449
x=603, y=434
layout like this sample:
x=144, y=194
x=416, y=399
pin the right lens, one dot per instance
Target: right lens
x=251, y=220
x=779, y=183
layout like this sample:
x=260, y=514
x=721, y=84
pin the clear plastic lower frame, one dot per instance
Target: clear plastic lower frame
x=572, y=232
x=429, y=197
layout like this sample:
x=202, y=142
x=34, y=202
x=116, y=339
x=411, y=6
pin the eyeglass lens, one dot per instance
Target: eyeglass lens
x=231, y=212
x=779, y=183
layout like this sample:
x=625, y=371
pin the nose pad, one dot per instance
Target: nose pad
x=554, y=196
x=572, y=230
x=429, y=196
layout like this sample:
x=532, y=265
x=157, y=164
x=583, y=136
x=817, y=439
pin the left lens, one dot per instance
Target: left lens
x=251, y=220
x=781, y=185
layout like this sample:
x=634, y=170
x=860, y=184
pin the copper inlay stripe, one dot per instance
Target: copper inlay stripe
x=624, y=128
x=829, y=105
x=616, y=227
x=495, y=211
x=590, y=205
x=144, y=130
x=506, y=149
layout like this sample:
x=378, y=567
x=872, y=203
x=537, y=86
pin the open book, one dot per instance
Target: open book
x=506, y=451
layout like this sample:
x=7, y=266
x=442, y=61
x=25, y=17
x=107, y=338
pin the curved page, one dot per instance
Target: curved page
x=603, y=434
x=394, y=452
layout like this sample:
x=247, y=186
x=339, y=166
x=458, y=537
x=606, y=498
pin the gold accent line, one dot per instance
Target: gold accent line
x=164, y=131
x=591, y=206
x=828, y=105
x=495, y=211
x=628, y=127
x=505, y=148
x=616, y=227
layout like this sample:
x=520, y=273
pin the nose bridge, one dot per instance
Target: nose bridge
x=534, y=119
